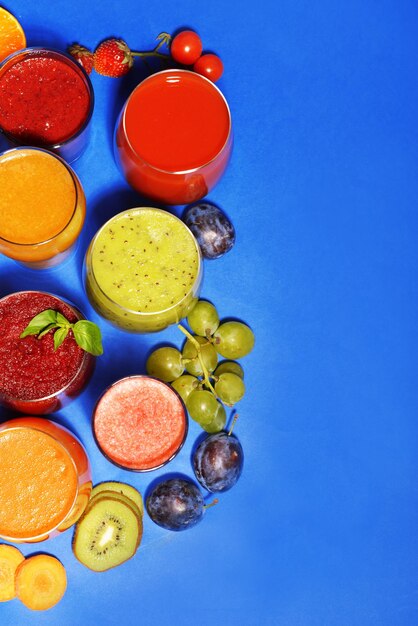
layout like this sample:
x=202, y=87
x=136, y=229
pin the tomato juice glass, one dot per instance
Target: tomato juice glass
x=42, y=207
x=140, y=423
x=143, y=270
x=45, y=479
x=46, y=100
x=34, y=377
x=173, y=138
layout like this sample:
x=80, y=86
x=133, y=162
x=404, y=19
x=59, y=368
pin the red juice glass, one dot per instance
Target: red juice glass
x=140, y=423
x=46, y=100
x=173, y=139
x=34, y=377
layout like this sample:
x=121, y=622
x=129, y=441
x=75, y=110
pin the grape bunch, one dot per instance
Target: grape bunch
x=204, y=385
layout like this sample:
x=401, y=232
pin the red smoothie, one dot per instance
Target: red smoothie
x=45, y=99
x=34, y=377
x=140, y=423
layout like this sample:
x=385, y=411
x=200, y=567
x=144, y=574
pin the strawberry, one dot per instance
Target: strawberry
x=113, y=58
x=83, y=55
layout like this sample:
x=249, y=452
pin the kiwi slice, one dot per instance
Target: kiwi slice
x=123, y=488
x=118, y=496
x=108, y=534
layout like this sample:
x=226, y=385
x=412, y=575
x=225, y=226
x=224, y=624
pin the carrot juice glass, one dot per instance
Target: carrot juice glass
x=173, y=138
x=45, y=479
x=34, y=377
x=143, y=270
x=42, y=207
x=46, y=100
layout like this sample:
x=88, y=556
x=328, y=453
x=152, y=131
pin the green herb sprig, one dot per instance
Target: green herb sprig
x=87, y=334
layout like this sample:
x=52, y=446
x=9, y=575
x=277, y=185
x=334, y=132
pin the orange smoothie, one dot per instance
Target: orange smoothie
x=42, y=479
x=42, y=206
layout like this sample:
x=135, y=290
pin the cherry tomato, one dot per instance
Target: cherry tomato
x=186, y=47
x=209, y=65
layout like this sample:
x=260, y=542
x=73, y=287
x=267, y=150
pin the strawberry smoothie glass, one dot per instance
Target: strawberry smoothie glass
x=46, y=100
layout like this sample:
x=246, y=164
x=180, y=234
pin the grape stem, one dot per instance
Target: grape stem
x=207, y=506
x=234, y=421
x=199, y=355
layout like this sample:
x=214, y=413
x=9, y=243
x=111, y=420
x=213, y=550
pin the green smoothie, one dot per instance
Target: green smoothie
x=143, y=270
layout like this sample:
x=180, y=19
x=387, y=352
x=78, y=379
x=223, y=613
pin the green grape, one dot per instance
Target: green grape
x=218, y=422
x=165, y=364
x=208, y=353
x=203, y=319
x=230, y=388
x=202, y=406
x=229, y=366
x=185, y=385
x=234, y=340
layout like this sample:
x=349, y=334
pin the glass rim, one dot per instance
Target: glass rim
x=175, y=453
x=37, y=51
x=45, y=535
x=89, y=253
x=84, y=360
x=74, y=180
x=192, y=170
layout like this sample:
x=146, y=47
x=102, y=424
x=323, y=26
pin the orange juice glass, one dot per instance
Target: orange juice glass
x=42, y=207
x=45, y=479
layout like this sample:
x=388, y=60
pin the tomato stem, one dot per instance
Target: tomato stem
x=165, y=39
x=153, y=53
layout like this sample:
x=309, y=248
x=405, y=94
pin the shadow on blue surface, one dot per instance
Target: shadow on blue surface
x=38, y=35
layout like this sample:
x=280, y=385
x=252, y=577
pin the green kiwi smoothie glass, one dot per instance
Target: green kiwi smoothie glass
x=143, y=270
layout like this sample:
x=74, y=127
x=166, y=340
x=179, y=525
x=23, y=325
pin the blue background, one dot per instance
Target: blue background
x=322, y=188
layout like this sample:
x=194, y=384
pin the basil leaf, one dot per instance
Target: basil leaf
x=88, y=336
x=46, y=330
x=59, y=336
x=39, y=322
x=62, y=321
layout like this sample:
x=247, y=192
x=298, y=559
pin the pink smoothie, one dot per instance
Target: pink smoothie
x=140, y=423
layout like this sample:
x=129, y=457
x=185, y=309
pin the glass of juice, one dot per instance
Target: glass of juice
x=143, y=270
x=34, y=377
x=42, y=207
x=173, y=138
x=45, y=479
x=46, y=100
x=140, y=423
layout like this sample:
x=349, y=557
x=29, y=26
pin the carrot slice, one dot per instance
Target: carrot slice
x=10, y=559
x=41, y=582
